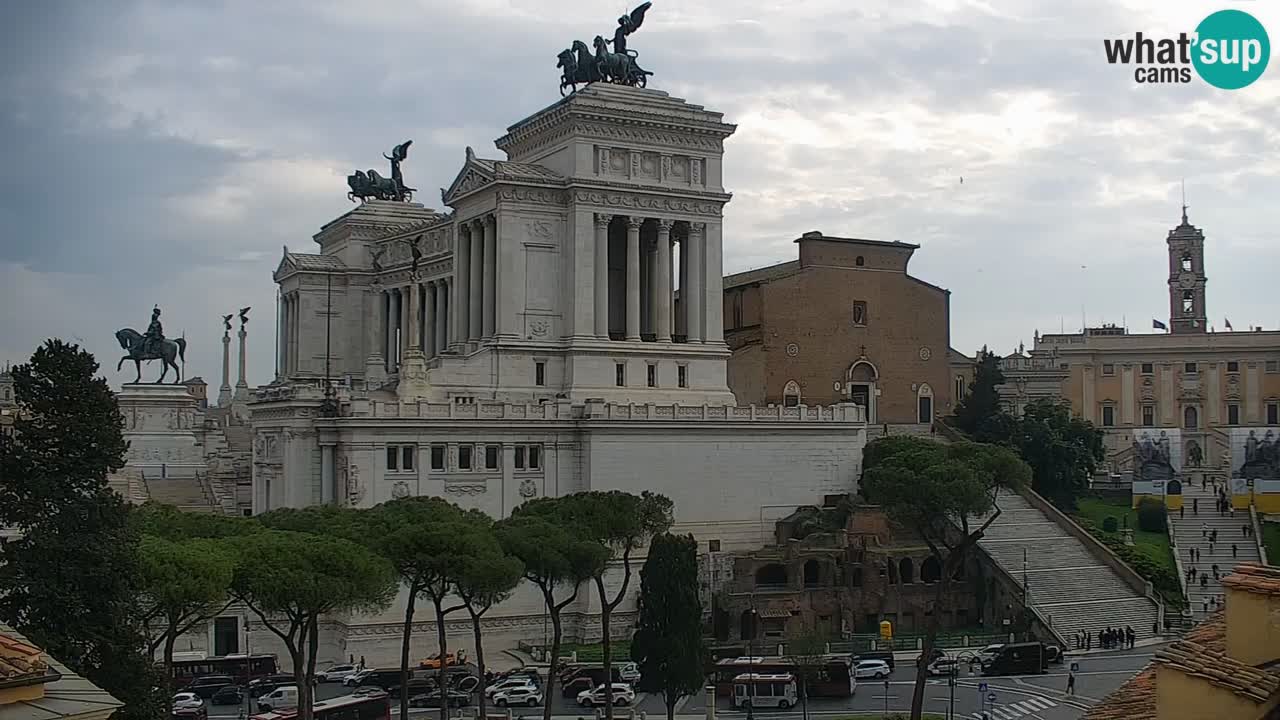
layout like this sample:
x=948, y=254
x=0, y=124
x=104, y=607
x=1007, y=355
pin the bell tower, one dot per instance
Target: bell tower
x=1187, y=311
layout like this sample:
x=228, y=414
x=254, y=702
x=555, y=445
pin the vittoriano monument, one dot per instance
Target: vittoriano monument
x=580, y=67
x=152, y=346
x=372, y=185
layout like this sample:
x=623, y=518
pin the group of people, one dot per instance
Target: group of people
x=1193, y=572
x=1213, y=601
x=1109, y=638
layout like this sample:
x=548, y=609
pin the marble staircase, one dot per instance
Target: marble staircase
x=1190, y=528
x=185, y=492
x=1067, y=585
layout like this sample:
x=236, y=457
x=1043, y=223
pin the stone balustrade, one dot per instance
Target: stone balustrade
x=846, y=413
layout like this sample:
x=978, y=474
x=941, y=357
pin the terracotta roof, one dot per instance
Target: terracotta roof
x=1255, y=579
x=19, y=660
x=67, y=696
x=764, y=274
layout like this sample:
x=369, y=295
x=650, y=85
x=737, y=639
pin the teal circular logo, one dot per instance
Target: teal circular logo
x=1231, y=49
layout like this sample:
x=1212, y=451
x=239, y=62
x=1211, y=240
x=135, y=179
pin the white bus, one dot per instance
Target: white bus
x=759, y=690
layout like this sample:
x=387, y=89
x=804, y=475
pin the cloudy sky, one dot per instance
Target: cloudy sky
x=164, y=152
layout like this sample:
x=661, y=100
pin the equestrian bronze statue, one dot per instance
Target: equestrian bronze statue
x=152, y=346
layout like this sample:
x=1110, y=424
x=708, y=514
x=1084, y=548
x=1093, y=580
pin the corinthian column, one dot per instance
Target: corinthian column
x=242, y=385
x=662, y=324
x=442, y=314
x=224, y=392
x=429, y=320
x=602, y=276
x=489, y=301
x=475, y=305
x=692, y=295
x=633, y=277
x=462, y=283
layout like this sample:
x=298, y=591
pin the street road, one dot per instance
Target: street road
x=1017, y=697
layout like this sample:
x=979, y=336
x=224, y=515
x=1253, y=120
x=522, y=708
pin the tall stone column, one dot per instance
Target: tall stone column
x=602, y=276
x=462, y=284
x=405, y=313
x=242, y=385
x=291, y=301
x=489, y=301
x=224, y=392
x=327, y=475
x=393, y=327
x=442, y=323
x=694, y=294
x=662, y=287
x=475, y=303
x=429, y=320
x=374, y=318
x=413, y=372
x=713, y=288
x=413, y=339
x=281, y=334
x=680, y=326
x=389, y=323
x=633, y=277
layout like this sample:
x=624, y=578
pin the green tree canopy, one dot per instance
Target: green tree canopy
x=668, y=641
x=489, y=575
x=945, y=493
x=979, y=414
x=1063, y=450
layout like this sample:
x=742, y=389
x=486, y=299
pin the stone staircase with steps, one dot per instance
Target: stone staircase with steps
x=1201, y=515
x=1067, y=585
x=187, y=493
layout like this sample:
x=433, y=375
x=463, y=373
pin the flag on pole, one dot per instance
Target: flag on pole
x=1228, y=322
x=1157, y=325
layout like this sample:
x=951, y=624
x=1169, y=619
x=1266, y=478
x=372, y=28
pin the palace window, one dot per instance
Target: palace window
x=651, y=375
x=465, y=453
x=1273, y=366
x=539, y=374
x=959, y=388
x=860, y=313
x=1108, y=416
x=491, y=453
x=682, y=376
x=437, y=457
x=1233, y=366
x=1273, y=413
x=528, y=457
x=620, y=374
x=535, y=457
x=1190, y=368
x=1233, y=413
x=1108, y=369
x=1148, y=369
x=400, y=458
x=519, y=457
x=859, y=261
x=1148, y=415
x=713, y=546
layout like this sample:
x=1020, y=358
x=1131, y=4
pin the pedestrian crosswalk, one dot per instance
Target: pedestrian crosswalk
x=1011, y=711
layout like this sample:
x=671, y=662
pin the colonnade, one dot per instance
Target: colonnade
x=412, y=317
x=647, y=287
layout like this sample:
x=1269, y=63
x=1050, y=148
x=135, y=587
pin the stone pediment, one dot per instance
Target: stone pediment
x=475, y=174
x=291, y=263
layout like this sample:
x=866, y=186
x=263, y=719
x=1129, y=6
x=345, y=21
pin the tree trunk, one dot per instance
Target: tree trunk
x=475, y=631
x=606, y=647
x=300, y=675
x=671, y=699
x=930, y=637
x=441, y=637
x=169, y=639
x=404, y=652
x=804, y=697
x=556, y=629
x=313, y=649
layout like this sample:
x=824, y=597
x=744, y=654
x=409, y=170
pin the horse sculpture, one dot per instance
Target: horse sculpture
x=619, y=68
x=169, y=350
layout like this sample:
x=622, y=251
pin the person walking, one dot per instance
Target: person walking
x=1071, y=682
x=1195, y=506
x=1210, y=547
x=1182, y=512
x=1204, y=530
x=1231, y=510
x=1204, y=581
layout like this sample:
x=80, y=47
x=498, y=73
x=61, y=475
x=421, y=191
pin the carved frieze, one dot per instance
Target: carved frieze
x=465, y=488
x=533, y=196
x=634, y=201
x=642, y=134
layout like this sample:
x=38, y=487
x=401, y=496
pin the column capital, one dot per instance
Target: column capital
x=477, y=223
x=664, y=224
x=490, y=219
x=603, y=220
x=697, y=229
x=634, y=222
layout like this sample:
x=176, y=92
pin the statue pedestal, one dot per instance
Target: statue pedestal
x=375, y=369
x=1128, y=536
x=413, y=377
x=159, y=423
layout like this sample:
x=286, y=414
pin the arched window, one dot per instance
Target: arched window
x=772, y=574
x=893, y=571
x=924, y=404
x=791, y=394
x=1186, y=261
x=812, y=573
x=1190, y=417
x=930, y=570
x=1188, y=302
x=907, y=571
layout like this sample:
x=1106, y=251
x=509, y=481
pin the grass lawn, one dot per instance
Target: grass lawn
x=1154, y=545
x=1271, y=541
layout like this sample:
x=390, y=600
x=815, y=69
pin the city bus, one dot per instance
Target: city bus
x=376, y=706
x=242, y=668
x=834, y=678
x=759, y=690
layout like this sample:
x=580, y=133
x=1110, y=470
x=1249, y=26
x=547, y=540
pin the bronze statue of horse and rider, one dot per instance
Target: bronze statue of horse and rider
x=371, y=185
x=579, y=67
x=152, y=346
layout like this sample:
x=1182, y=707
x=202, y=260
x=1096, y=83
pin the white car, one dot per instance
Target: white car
x=943, y=666
x=354, y=678
x=519, y=695
x=622, y=695
x=989, y=652
x=629, y=672
x=187, y=700
x=877, y=669
x=509, y=684
x=337, y=673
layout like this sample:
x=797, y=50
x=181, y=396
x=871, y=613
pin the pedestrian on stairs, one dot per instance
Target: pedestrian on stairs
x=1245, y=529
x=1071, y=682
x=1195, y=506
x=1233, y=550
x=1204, y=581
x=1231, y=510
x=1204, y=530
x=1213, y=536
x=1182, y=512
x=1206, y=606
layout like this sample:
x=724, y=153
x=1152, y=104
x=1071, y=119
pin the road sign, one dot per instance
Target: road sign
x=992, y=698
x=982, y=687
x=1075, y=667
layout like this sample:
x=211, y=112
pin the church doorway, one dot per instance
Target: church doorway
x=862, y=377
x=924, y=404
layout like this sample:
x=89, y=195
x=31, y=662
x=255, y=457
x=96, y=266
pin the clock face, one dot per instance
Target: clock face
x=1187, y=281
x=925, y=353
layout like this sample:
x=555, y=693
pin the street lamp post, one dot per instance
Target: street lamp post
x=751, y=659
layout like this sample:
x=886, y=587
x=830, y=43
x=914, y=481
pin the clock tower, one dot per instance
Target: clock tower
x=1187, y=312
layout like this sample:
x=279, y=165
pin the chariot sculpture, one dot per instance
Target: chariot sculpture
x=580, y=67
x=369, y=184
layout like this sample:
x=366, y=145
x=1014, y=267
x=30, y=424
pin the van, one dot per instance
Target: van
x=282, y=698
x=1017, y=659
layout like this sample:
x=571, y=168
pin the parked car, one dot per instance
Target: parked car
x=264, y=685
x=573, y=687
x=206, y=685
x=620, y=694
x=284, y=697
x=337, y=673
x=190, y=713
x=229, y=695
x=520, y=695
x=943, y=666
x=187, y=700
x=933, y=655
x=433, y=662
x=877, y=669
x=989, y=652
x=883, y=655
x=389, y=679
x=432, y=699
x=522, y=681
x=629, y=671
x=353, y=680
